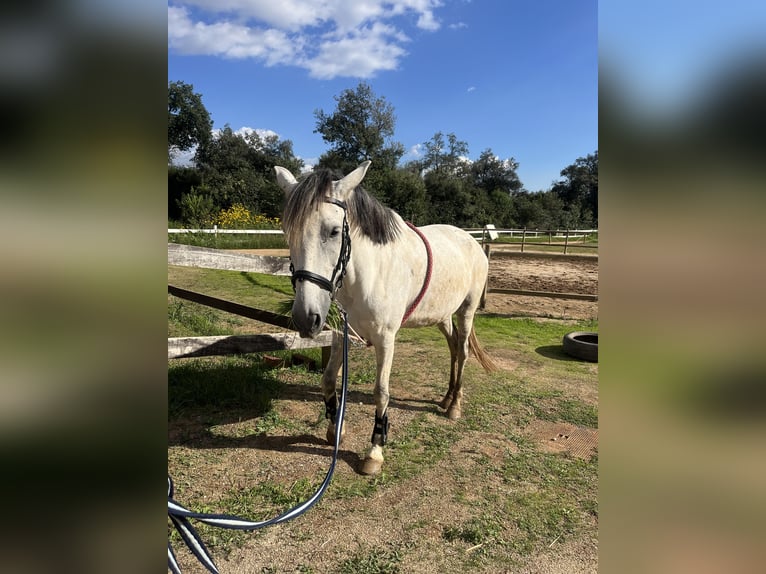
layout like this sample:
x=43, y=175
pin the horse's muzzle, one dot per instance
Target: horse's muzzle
x=308, y=320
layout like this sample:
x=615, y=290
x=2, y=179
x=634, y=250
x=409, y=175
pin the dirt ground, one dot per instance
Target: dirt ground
x=542, y=272
x=250, y=459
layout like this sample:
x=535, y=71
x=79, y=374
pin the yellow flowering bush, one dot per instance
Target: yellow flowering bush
x=239, y=217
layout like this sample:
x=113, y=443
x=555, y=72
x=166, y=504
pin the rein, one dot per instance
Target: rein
x=180, y=515
x=332, y=284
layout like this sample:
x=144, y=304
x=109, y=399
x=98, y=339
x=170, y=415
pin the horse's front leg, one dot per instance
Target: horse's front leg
x=384, y=353
x=329, y=384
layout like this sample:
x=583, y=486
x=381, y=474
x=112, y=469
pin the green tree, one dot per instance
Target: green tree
x=449, y=198
x=444, y=156
x=502, y=209
x=579, y=190
x=526, y=210
x=402, y=190
x=239, y=168
x=181, y=181
x=189, y=122
x=491, y=173
x=361, y=128
x=196, y=209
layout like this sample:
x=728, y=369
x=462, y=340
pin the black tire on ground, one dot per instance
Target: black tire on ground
x=582, y=345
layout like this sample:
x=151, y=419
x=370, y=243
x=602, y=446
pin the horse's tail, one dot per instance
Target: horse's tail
x=484, y=359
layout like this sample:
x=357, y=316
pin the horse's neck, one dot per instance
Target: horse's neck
x=369, y=258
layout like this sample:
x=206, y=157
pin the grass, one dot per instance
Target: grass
x=261, y=502
x=506, y=504
x=229, y=240
x=372, y=561
x=186, y=318
x=479, y=530
x=257, y=289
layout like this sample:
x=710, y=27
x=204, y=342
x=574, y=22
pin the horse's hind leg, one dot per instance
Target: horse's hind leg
x=464, y=325
x=449, y=330
x=329, y=383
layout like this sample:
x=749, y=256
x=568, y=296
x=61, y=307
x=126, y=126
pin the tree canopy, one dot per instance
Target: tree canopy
x=579, y=189
x=443, y=185
x=361, y=128
x=189, y=122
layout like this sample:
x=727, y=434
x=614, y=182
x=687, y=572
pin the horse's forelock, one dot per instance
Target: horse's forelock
x=365, y=213
x=304, y=198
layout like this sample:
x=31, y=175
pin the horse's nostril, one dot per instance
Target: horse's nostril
x=317, y=324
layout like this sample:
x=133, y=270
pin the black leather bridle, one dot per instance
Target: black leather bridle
x=335, y=282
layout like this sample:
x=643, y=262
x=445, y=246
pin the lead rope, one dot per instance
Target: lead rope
x=180, y=515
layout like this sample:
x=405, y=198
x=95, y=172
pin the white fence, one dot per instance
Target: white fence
x=479, y=231
x=552, y=233
x=216, y=231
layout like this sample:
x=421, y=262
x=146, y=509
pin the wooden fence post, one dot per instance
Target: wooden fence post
x=566, y=241
x=523, y=238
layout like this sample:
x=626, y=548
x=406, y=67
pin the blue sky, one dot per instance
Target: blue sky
x=519, y=77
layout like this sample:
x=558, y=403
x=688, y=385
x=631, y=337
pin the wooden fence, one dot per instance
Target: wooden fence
x=550, y=294
x=186, y=347
x=186, y=255
x=558, y=238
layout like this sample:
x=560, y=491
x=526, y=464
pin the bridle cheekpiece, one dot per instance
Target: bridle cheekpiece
x=336, y=281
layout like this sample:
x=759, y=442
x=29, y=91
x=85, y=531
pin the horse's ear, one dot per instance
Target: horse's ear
x=345, y=186
x=285, y=179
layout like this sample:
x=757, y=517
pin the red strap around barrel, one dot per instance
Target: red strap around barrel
x=427, y=280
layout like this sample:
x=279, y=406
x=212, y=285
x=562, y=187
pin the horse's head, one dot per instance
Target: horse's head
x=316, y=227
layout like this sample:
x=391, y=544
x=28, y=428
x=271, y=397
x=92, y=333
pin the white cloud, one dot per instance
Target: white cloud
x=471, y=88
x=308, y=163
x=228, y=39
x=329, y=38
x=182, y=158
x=415, y=151
x=360, y=54
x=458, y=26
x=245, y=131
x=289, y=15
x=426, y=21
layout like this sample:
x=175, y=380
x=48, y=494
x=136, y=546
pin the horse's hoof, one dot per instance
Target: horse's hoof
x=331, y=435
x=453, y=414
x=445, y=402
x=371, y=466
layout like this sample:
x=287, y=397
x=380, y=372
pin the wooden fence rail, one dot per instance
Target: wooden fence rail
x=237, y=309
x=192, y=256
x=549, y=294
x=180, y=347
x=185, y=347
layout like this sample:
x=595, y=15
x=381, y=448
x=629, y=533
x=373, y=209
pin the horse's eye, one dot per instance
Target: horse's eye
x=335, y=232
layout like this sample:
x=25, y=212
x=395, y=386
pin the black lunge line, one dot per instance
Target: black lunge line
x=180, y=515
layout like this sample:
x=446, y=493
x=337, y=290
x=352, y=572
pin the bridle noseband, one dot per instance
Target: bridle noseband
x=336, y=281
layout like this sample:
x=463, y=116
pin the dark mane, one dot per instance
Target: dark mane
x=365, y=213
